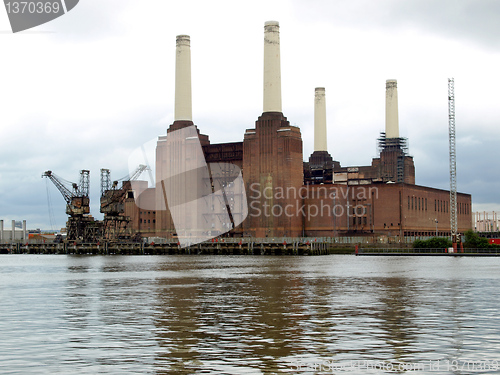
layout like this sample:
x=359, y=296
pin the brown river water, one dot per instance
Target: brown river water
x=249, y=315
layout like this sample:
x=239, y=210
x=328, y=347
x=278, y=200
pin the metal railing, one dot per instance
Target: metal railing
x=427, y=251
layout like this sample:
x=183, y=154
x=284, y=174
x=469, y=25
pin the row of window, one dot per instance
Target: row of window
x=417, y=203
x=149, y=221
x=426, y=234
x=362, y=220
x=463, y=208
x=420, y=204
x=440, y=206
x=144, y=212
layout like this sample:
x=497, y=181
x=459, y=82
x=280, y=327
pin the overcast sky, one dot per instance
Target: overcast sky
x=85, y=90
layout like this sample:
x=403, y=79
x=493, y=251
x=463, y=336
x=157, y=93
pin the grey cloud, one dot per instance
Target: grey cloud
x=474, y=20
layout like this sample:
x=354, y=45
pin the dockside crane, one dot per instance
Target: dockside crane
x=113, y=201
x=80, y=225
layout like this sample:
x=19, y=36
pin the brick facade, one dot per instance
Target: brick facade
x=387, y=209
x=272, y=159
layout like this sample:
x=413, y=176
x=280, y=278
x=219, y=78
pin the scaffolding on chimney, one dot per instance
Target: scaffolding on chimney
x=398, y=146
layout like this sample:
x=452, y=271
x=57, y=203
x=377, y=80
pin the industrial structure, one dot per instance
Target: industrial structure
x=113, y=198
x=285, y=196
x=13, y=234
x=486, y=221
x=453, y=161
x=80, y=225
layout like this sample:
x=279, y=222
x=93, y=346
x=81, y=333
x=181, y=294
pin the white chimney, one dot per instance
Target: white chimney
x=272, y=70
x=183, y=105
x=391, y=109
x=319, y=120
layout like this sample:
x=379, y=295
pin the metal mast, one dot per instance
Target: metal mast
x=453, y=160
x=105, y=180
x=85, y=182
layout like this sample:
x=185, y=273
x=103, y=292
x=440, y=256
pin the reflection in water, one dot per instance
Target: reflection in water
x=245, y=315
x=227, y=324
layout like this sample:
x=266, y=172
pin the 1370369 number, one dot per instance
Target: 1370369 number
x=32, y=7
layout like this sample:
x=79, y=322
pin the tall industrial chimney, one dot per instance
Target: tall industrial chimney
x=321, y=164
x=391, y=109
x=183, y=105
x=319, y=120
x=272, y=69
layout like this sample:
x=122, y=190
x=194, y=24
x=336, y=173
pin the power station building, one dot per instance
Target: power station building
x=283, y=196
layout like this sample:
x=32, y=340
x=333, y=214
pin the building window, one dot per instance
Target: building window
x=419, y=203
x=412, y=203
x=140, y=221
x=408, y=202
x=435, y=205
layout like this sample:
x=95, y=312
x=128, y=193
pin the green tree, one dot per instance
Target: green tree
x=432, y=243
x=473, y=241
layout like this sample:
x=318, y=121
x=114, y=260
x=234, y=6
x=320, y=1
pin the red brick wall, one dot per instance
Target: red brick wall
x=383, y=209
x=272, y=160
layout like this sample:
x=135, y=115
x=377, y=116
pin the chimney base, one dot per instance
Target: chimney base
x=181, y=124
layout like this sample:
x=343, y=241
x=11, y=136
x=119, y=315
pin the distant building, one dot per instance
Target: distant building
x=12, y=234
x=486, y=221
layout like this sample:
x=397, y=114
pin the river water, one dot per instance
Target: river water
x=248, y=315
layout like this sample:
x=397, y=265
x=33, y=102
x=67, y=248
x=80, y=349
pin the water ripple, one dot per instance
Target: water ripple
x=246, y=315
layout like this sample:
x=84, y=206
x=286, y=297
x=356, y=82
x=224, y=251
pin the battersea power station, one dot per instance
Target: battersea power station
x=263, y=187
